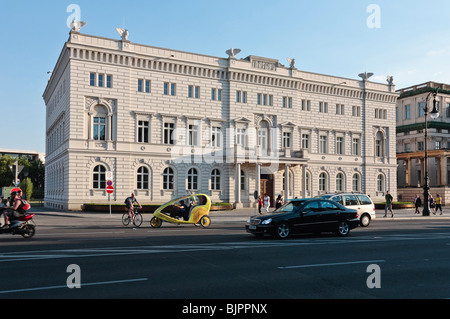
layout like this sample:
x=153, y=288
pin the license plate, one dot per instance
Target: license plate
x=252, y=227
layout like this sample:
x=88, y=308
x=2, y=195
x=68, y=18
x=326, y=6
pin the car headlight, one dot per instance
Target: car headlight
x=267, y=221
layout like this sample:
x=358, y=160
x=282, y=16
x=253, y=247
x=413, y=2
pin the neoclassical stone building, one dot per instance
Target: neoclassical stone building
x=165, y=122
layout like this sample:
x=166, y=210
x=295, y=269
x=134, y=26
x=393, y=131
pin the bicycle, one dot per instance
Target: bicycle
x=136, y=218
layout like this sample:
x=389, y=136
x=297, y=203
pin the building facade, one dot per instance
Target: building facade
x=410, y=118
x=165, y=122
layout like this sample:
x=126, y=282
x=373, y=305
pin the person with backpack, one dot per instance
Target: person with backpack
x=129, y=203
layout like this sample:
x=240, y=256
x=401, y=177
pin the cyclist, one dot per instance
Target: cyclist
x=129, y=202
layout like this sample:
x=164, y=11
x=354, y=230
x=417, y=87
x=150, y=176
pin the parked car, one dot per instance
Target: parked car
x=305, y=216
x=362, y=203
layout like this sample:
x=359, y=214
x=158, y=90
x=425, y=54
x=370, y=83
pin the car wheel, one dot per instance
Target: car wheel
x=282, y=230
x=364, y=221
x=343, y=229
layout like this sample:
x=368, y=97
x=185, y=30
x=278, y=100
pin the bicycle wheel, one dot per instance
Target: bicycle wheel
x=126, y=219
x=137, y=219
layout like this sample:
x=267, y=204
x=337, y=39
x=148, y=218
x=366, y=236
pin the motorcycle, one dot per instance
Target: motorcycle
x=22, y=225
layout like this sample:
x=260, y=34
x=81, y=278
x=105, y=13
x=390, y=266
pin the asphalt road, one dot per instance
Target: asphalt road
x=390, y=259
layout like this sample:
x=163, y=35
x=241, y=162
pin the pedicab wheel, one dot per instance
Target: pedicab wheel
x=205, y=221
x=126, y=219
x=155, y=222
x=29, y=231
x=137, y=219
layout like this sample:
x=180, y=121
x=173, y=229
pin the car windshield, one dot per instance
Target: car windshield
x=289, y=206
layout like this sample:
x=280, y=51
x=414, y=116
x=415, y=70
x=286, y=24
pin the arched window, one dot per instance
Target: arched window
x=215, y=179
x=356, y=183
x=192, y=179
x=340, y=182
x=99, y=177
x=322, y=182
x=168, y=179
x=142, y=178
x=380, y=183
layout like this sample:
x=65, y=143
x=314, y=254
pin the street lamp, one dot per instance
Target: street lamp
x=426, y=187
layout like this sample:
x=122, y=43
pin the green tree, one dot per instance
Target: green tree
x=6, y=175
x=27, y=188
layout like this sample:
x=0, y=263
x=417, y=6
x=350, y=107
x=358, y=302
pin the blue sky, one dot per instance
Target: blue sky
x=324, y=36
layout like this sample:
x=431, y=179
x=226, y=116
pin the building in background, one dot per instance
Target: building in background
x=410, y=119
x=165, y=122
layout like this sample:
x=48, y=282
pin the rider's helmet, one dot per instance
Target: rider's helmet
x=15, y=191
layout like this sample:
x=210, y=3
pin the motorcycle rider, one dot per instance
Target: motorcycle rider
x=15, y=207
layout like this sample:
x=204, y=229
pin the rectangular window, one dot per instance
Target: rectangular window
x=287, y=102
x=219, y=94
x=100, y=80
x=109, y=81
x=92, y=79
x=170, y=88
x=286, y=139
x=193, y=135
x=240, y=136
x=216, y=137
x=147, y=86
x=340, y=109
x=420, y=146
x=241, y=97
x=99, y=128
x=356, y=110
x=356, y=146
x=143, y=131
x=213, y=94
x=305, y=141
x=193, y=91
x=407, y=112
x=140, y=85
x=197, y=92
x=323, y=107
x=323, y=144
x=306, y=105
x=168, y=133
x=339, y=145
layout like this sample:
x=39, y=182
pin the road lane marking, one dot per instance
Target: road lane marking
x=334, y=264
x=65, y=286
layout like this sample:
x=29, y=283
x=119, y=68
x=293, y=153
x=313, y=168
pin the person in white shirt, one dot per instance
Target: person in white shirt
x=266, y=203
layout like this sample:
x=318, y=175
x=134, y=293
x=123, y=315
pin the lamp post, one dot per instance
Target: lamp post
x=426, y=187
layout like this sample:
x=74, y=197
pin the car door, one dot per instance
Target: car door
x=329, y=215
x=352, y=202
x=307, y=217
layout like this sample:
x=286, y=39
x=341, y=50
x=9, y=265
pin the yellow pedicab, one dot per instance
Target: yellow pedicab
x=196, y=213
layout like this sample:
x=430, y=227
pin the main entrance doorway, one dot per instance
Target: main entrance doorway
x=266, y=186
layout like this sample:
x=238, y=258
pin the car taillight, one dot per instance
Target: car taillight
x=356, y=215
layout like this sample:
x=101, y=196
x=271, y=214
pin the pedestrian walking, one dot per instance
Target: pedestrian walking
x=279, y=202
x=432, y=204
x=388, y=206
x=260, y=204
x=417, y=204
x=438, y=204
x=266, y=203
